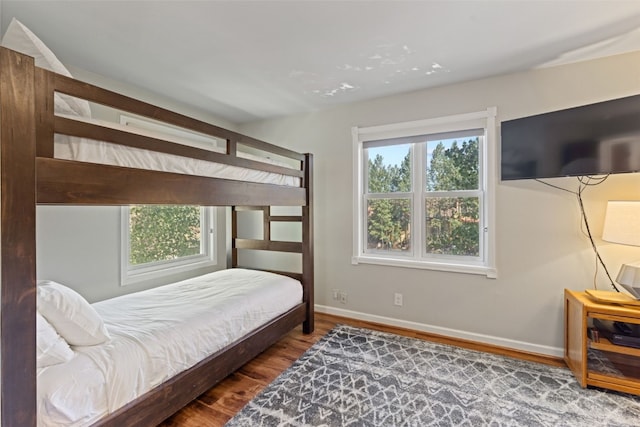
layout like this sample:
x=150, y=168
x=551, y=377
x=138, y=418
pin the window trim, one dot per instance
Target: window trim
x=486, y=120
x=153, y=270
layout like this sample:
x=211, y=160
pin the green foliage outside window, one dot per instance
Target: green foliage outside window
x=162, y=233
x=389, y=220
x=454, y=168
x=452, y=223
x=452, y=226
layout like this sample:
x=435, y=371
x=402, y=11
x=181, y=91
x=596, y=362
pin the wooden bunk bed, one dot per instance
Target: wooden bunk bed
x=30, y=175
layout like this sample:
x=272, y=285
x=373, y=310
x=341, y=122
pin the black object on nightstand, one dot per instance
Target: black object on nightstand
x=619, y=333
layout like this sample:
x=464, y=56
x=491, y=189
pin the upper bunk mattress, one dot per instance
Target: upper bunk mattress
x=93, y=151
x=156, y=334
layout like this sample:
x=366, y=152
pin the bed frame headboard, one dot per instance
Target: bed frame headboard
x=30, y=175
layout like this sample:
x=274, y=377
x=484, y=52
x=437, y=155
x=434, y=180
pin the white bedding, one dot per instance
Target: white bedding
x=87, y=150
x=156, y=334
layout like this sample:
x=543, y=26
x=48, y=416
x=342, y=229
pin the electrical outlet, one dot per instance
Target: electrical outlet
x=343, y=297
x=335, y=294
x=397, y=299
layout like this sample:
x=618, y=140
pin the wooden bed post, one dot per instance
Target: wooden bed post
x=307, y=246
x=17, y=240
x=234, y=235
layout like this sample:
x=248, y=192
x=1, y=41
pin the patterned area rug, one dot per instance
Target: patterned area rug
x=358, y=377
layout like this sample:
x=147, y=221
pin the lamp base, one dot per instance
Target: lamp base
x=610, y=297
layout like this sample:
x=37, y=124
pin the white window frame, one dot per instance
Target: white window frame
x=131, y=274
x=485, y=263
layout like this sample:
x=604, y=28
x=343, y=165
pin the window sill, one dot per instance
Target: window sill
x=489, y=272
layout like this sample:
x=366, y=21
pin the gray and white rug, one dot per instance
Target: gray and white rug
x=358, y=377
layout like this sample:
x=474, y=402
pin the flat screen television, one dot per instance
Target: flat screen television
x=594, y=139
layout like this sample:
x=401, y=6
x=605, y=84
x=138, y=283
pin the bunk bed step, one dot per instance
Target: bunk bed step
x=265, y=245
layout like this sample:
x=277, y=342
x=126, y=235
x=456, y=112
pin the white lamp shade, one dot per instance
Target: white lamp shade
x=622, y=222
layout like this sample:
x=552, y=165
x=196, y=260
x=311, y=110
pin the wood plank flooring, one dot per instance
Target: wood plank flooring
x=216, y=406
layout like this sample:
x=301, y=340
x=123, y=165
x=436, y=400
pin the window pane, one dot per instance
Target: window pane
x=453, y=226
x=389, y=168
x=389, y=225
x=452, y=164
x=162, y=233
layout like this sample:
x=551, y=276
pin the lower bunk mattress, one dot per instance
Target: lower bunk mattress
x=156, y=334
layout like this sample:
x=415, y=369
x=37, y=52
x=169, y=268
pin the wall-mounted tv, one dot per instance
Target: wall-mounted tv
x=594, y=139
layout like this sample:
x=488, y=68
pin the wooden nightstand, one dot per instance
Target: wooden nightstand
x=601, y=364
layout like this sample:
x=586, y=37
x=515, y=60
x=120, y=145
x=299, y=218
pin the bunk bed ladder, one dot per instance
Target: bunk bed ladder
x=266, y=244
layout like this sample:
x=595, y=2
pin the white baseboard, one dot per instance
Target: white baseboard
x=454, y=333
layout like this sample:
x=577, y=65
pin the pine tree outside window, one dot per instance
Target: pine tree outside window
x=424, y=194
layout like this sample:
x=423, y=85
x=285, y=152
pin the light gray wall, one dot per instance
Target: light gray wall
x=143, y=95
x=79, y=246
x=540, y=247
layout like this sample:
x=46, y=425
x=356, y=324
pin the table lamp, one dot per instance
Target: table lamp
x=622, y=225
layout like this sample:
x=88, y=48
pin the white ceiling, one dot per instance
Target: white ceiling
x=247, y=60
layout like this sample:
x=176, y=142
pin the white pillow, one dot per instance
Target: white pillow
x=70, y=314
x=21, y=39
x=52, y=349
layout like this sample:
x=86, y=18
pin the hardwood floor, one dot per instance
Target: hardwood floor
x=219, y=404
